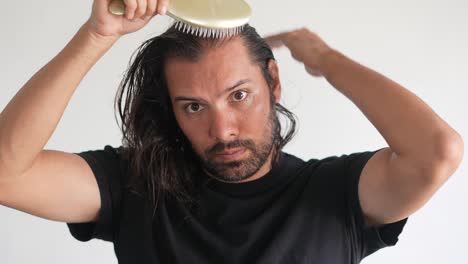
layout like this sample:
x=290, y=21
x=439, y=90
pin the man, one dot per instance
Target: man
x=201, y=177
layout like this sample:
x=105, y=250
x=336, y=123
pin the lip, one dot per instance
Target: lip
x=231, y=154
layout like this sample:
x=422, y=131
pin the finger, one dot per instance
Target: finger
x=130, y=7
x=294, y=55
x=141, y=10
x=275, y=41
x=274, y=44
x=163, y=5
x=312, y=72
x=151, y=7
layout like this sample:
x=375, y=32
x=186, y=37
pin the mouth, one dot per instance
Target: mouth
x=231, y=153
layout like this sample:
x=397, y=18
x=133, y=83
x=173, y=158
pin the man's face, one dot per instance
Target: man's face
x=222, y=104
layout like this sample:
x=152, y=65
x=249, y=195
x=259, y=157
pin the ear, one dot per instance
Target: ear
x=276, y=84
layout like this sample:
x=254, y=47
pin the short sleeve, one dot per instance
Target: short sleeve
x=369, y=239
x=106, y=166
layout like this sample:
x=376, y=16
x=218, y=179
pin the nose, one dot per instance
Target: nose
x=223, y=126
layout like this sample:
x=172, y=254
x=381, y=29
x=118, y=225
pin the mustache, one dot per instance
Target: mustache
x=220, y=146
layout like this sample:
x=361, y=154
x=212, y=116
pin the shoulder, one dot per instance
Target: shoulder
x=344, y=161
x=332, y=168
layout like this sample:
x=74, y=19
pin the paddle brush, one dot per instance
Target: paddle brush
x=203, y=18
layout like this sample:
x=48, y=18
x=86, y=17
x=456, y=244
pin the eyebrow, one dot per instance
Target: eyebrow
x=185, y=98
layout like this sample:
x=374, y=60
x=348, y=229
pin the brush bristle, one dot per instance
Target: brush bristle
x=204, y=32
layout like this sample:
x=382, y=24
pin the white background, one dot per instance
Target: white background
x=420, y=44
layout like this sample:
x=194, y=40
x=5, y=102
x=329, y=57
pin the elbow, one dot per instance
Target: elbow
x=446, y=160
x=451, y=150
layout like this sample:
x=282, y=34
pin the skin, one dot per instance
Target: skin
x=423, y=152
x=210, y=115
x=30, y=180
x=395, y=182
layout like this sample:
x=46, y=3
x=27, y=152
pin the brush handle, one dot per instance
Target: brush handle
x=117, y=7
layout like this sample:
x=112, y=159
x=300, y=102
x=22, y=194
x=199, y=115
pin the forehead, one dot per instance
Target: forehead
x=217, y=68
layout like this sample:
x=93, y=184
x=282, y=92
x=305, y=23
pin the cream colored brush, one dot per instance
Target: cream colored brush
x=203, y=18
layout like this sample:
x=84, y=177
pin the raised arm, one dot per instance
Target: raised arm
x=423, y=149
x=50, y=183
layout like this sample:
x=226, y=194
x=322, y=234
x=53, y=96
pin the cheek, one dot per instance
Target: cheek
x=191, y=129
x=185, y=125
x=255, y=114
x=196, y=138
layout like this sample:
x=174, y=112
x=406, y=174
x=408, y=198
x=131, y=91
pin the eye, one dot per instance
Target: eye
x=239, y=95
x=193, y=108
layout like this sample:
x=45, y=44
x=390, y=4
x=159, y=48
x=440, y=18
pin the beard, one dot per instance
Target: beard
x=238, y=170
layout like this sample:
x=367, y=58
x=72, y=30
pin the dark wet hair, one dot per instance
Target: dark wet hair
x=160, y=156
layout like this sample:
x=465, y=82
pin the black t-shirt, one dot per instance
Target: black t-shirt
x=299, y=212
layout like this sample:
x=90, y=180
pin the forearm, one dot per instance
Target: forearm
x=30, y=118
x=410, y=127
